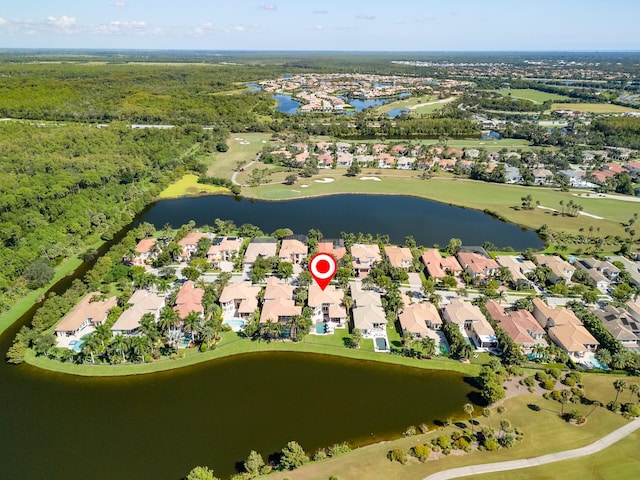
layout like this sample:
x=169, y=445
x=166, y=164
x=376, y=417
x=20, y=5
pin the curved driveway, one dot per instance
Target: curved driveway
x=592, y=448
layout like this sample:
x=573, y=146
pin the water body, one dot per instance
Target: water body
x=161, y=425
x=286, y=104
x=398, y=216
x=396, y=112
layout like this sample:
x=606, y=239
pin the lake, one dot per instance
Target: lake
x=398, y=216
x=161, y=425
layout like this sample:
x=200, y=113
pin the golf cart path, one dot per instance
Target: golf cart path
x=590, y=449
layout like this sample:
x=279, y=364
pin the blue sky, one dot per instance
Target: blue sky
x=391, y=25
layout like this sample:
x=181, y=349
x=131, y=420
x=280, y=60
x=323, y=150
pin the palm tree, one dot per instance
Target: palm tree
x=429, y=345
x=620, y=386
x=486, y=413
x=297, y=324
x=271, y=330
x=208, y=334
x=90, y=346
x=468, y=408
x=504, y=426
x=466, y=351
x=565, y=397
x=501, y=410
x=148, y=326
x=162, y=284
x=119, y=345
x=168, y=318
x=174, y=337
x=540, y=351
x=140, y=346
x=634, y=388
x=191, y=323
x=103, y=333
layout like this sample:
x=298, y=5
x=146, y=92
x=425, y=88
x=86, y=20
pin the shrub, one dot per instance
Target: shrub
x=556, y=395
x=515, y=370
x=632, y=409
x=319, y=455
x=554, y=372
x=397, y=455
x=421, y=452
x=423, y=427
x=542, y=376
x=461, y=443
x=528, y=381
x=443, y=442
x=491, y=444
x=548, y=384
x=569, y=381
x=411, y=430
x=339, y=449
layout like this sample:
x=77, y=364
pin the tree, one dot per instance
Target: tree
x=453, y=245
x=253, y=463
x=354, y=169
x=290, y=179
x=429, y=345
x=486, y=413
x=293, y=456
x=356, y=338
x=285, y=270
x=191, y=324
x=201, y=473
x=468, y=408
x=620, y=386
x=38, y=273
x=634, y=388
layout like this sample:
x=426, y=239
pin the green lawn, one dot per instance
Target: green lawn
x=544, y=432
x=187, y=186
x=533, y=95
x=232, y=344
x=223, y=164
x=593, y=107
x=499, y=198
x=405, y=103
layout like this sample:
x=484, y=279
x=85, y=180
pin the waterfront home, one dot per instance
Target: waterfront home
x=189, y=299
x=345, y=159
x=224, y=249
x=333, y=247
x=405, y=163
x=478, y=266
x=142, y=302
x=84, y=317
x=439, y=267
x=518, y=266
x=448, y=165
x=399, y=257
x=608, y=269
x=560, y=269
x=520, y=325
x=471, y=322
x=542, y=176
x=325, y=160
x=420, y=319
x=364, y=256
x=386, y=160
x=260, y=247
x=278, y=303
x=239, y=300
x=293, y=250
x=146, y=250
x=189, y=243
x=327, y=306
x=621, y=325
x=565, y=329
x=368, y=314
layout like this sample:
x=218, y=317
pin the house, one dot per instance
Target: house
x=325, y=160
x=368, y=314
x=520, y=325
x=364, y=256
x=471, y=153
x=399, y=150
x=146, y=250
x=293, y=249
x=84, y=317
x=542, y=176
x=399, y=257
x=560, y=269
x=142, y=302
x=608, y=269
x=345, y=159
x=260, y=247
x=189, y=243
x=512, y=174
x=420, y=319
x=633, y=307
x=333, y=247
x=278, y=303
x=448, y=165
x=327, y=306
x=454, y=152
x=405, y=163
x=518, y=266
x=239, y=300
x=621, y=325
x=477, y=265
x=439, y=267
x=189, y=299
x=565, y=329
x=633, y=167
x=386, y=160
x=379, y=148
x=224, y=249
x=471, y=322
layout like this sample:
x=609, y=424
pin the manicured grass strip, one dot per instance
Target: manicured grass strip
x=243, y=147
x=232, y=344
x=544, y=432
x=26, y=302
x=593, y=107
x=188, y=185
x=533, y=95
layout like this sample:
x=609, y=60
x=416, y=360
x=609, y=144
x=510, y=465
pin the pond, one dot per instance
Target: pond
x=161, y=425
x=286, y=104
x=398, y=216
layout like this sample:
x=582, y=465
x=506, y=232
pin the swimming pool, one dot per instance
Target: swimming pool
x=76, y=345
x=321, y=328
x=381, y=343
x=236, y=324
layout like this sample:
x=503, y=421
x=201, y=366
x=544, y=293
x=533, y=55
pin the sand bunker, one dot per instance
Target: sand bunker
x=304, y=186
x=580, y=213
x=324, y=180
x=375, y=179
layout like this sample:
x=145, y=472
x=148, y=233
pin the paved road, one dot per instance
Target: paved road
x=235, y=174
x=595, y=447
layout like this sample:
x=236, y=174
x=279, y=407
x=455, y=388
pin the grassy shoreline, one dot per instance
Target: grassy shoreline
x=231, y=345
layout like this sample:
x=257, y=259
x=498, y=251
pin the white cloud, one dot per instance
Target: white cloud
x=239, y=28
x=320, y=12
x=3, y=21
x=365, y=17
x=63, y=22
x=269, y=6
x=120, y=4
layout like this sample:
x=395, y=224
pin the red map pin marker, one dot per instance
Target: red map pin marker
x=323, y=268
